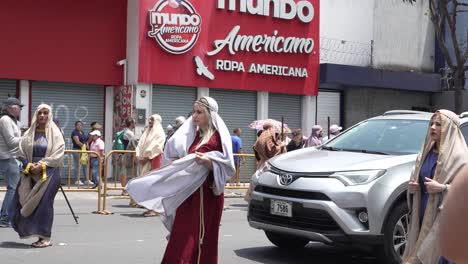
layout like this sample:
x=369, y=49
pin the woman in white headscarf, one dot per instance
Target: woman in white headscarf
x=150, y=147
x=42, y=149
x=315, y=138
x=149, y=152
x=443, y=155
x=189, y=191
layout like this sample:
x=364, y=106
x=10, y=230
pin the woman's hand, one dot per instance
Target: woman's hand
x=203, y=160
x=433, y=186
x=143, y=160
x=413, y=186
x=36, y=168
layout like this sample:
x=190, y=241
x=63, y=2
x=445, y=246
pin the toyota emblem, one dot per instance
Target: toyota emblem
x=286, y=179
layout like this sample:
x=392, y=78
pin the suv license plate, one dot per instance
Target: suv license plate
x=282, y=208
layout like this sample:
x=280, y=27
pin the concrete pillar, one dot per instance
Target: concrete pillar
x=262, y=105
x=132, y=41
x=143, y=106
x=203, y=91
x=109, y=118
x=24, y=98
x=308, y=113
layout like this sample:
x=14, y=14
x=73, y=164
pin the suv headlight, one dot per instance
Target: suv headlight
x=350, y=178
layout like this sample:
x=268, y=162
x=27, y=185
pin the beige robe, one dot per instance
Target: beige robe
x=422, y=244
x=30, y=196
x=151, y=144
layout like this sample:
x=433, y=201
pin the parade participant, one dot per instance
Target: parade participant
x=42, y=149
x=297, y=141
x=150, y=147
x=316, y=136
x=189, y=191
x=149, y=151
x=9, y=141
x=266, y=147
x=453, y=227
x=441, y=158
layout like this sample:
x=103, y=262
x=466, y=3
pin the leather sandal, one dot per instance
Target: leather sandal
x=41, y=244
x=150, y=213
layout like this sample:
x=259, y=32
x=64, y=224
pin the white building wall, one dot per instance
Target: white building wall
x=403, y=36
x=346, y=31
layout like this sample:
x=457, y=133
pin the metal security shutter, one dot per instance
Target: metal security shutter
x=172, y=101
x=328, y=105
x=70, y=103
x=238, y=109
x=7, y=87
x=287, y=106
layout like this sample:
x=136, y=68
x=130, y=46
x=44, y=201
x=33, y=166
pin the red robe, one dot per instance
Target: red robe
x=183, y=246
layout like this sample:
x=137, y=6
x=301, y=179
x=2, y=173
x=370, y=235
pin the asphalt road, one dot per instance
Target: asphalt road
x=126, y=237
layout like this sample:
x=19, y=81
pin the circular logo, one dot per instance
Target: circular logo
x=286, y=179
x=175, y=25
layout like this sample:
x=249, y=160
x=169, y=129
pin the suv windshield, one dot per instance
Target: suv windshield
x=383, y=136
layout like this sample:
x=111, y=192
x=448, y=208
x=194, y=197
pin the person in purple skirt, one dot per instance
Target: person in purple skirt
x=41, y=149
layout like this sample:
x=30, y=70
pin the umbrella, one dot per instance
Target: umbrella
x=258, y=124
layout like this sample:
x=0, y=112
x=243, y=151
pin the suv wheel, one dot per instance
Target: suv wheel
x=395, y=235
x=286, y=241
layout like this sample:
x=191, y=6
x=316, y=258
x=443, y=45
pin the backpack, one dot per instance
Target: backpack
x=118, y=144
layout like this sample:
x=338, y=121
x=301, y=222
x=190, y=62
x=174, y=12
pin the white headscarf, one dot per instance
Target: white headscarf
x=166, y=189
x=55, y=142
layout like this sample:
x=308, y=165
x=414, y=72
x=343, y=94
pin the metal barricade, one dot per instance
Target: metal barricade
x=118, y=157
x=244, y=170
x=88, y=167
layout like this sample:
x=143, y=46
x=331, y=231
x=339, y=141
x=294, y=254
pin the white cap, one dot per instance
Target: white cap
x=170, y=127
x=95, y=133
x=335, y=128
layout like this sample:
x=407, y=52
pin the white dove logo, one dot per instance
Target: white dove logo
x=203, y=70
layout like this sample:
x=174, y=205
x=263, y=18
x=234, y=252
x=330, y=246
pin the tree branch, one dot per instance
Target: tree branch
x=438, y=23
x=451, y=20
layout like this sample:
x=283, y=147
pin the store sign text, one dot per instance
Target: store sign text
x=283, y=9
x=267, y=69
x=175, y=32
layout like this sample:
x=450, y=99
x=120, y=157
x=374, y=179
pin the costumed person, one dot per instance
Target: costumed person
x=297, y=141
x=266, y=147
x=41, y=148
x=149, y=152
x=453, y=227
x=443, y=155
x=189, y=191
x=316, y=136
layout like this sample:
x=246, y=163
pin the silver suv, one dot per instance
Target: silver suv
x=351, y=190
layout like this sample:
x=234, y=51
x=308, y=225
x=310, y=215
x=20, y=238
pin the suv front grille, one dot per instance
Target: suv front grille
x=292, y=193
x=308, y=219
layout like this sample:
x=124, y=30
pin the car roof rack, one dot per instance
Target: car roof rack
x=404, y=112
x=464, y=114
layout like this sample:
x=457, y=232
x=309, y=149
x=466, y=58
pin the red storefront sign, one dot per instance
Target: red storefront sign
x=263, y=45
